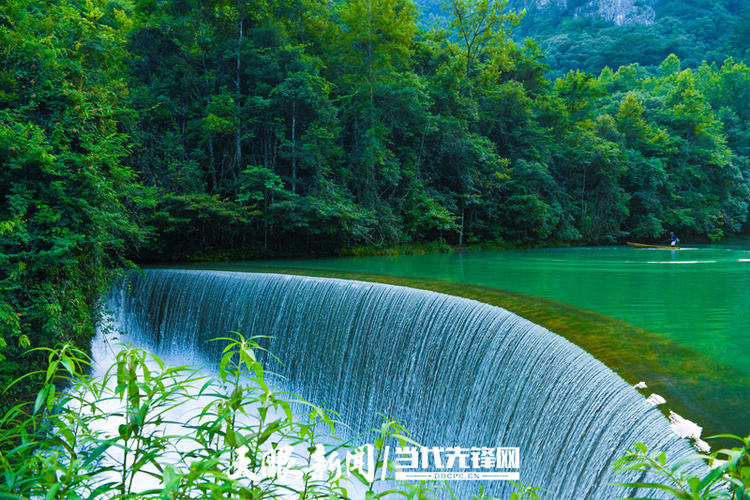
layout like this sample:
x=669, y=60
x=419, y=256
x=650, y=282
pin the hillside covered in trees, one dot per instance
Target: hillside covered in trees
x=165, y=130
x=589, y=35
x=296, y=127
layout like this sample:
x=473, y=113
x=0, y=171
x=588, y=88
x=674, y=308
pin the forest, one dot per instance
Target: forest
x=158, y=130
x=574, y=35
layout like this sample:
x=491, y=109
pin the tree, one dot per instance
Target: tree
x=480, y=26
x=670, y=66
x=374, y=45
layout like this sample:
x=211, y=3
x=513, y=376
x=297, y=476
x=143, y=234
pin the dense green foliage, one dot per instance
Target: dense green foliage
x=173, y=130
x=63, y=188
x=321, y=130
x=226, y=129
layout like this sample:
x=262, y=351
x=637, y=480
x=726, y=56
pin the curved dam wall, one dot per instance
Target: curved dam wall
x=456, y=372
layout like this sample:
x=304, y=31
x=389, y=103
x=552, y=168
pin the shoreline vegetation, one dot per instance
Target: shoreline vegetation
x=395, y=250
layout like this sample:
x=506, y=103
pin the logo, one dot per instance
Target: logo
x=473, y=464
x=409, y=463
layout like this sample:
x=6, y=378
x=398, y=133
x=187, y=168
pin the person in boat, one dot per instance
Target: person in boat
x=674, y=239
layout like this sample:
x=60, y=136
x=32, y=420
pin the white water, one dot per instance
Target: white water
x=455, y=371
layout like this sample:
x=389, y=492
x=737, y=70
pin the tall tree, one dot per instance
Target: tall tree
x=480, y=26
x=374, y=47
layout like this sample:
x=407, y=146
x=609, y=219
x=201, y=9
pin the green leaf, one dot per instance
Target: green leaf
x=52, y=492
x=41, y=398
x=51, y=397
x=676, y=492
x=96, y=453
x=24, y=342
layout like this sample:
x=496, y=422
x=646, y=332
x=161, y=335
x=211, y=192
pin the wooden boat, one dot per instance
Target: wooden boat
x=643, y=245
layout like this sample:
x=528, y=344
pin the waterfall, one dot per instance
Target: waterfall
x=456, y=372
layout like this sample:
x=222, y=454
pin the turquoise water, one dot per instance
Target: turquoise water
x=698, y=297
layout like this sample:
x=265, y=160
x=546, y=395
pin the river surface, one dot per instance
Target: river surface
x=698, y=297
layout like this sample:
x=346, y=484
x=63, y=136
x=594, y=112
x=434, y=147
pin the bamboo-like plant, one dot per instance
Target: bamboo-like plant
x=146, y=430
x=728, y=478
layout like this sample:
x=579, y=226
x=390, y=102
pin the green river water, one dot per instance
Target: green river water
x=698, y=297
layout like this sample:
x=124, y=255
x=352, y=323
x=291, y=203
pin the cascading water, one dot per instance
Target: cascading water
x=455, y=371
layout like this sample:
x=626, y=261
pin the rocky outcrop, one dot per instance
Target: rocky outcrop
x=620, y=12
x=626, y=11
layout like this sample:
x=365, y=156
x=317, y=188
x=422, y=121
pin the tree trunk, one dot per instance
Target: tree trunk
x=238, y=83
x=370, y=189
x=212, y=161
x=294, y=145
x=461, y=233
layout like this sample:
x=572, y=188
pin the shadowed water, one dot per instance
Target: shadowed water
x=455, y=371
